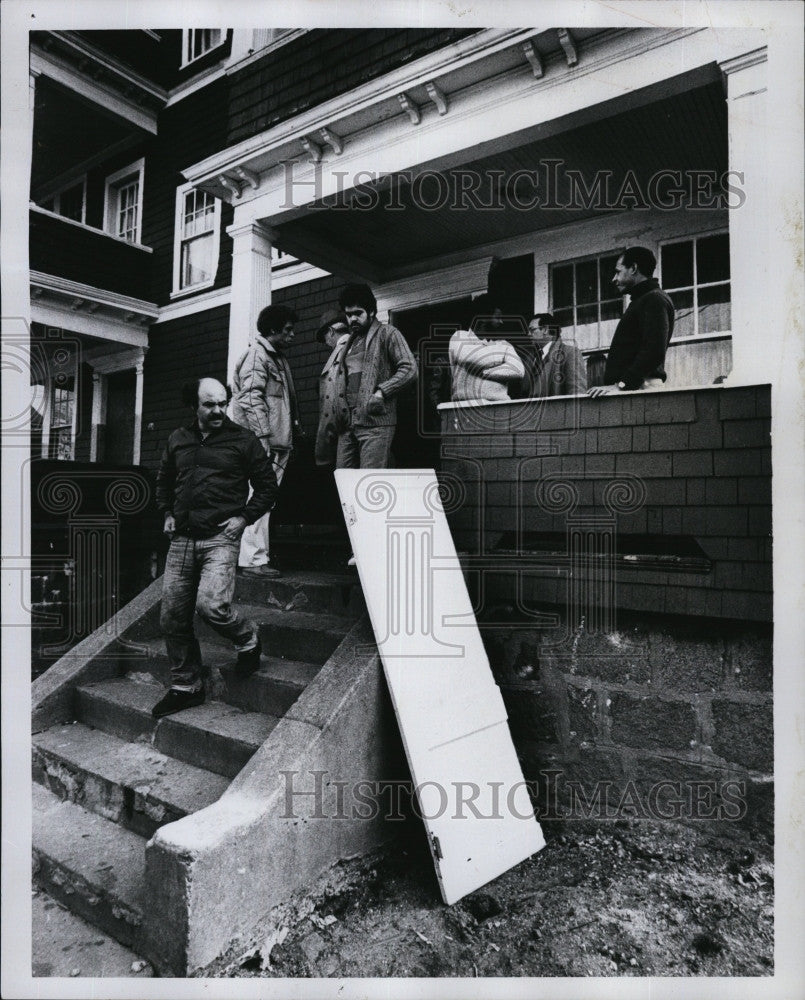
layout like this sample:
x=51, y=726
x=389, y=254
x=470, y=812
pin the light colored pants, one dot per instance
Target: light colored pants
x=254, y=541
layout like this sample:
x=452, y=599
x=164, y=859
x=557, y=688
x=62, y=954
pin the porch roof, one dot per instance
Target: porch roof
x=683, y=132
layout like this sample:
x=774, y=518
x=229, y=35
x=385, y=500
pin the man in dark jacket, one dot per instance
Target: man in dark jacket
x=203, y=494
x=637, y=352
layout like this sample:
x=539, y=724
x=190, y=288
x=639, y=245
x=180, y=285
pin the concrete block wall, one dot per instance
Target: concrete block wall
x=665, y=717
x=689, y=470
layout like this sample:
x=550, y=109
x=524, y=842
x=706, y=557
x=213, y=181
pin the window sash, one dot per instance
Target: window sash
x=196, y=239
x=200, y=41
x=590, y=321
x=693, y=315
x=61, y=441
x=196, y=262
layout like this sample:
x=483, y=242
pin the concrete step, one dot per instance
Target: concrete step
x=272, y=689
x=305, y=590
x=292, y=635
x=214, y=736
x=128, y=783
x=64, y=945
x=327, y=552
x=91, y=865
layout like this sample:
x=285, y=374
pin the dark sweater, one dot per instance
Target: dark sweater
x=641, y=337
x=205, y=482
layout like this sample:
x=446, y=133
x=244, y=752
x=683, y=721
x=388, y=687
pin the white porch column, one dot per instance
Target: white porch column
x=251, y=284
x=753, y=352
x=138, y=413
x=97, y=414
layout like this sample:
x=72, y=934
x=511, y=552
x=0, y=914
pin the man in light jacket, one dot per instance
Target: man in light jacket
x=264, y=400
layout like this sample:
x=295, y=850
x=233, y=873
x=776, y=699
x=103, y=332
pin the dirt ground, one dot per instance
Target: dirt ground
x=612, y=899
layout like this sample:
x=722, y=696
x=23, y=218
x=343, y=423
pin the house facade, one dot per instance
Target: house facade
x=183, y=179
x=618, y=550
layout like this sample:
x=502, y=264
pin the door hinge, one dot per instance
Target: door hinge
x=437, y=847
x=349, y=513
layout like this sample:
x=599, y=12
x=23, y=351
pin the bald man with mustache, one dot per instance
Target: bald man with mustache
x=203, y=495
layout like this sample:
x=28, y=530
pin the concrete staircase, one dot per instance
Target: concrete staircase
x=106, y=779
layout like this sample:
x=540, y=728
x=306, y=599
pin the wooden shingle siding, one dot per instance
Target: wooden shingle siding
x=188, y=131
x=702, y=457
x=191, y=347
x=321, y=65
x=306, y=355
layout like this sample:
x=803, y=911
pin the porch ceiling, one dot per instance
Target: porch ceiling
x=68, y=132
x=687, y=131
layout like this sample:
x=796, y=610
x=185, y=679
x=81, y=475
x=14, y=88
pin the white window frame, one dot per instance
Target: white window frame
x=55, y=197
x=178, y=224
x=694, y=238
x=597, y=257
x=187, y=39
x=49, y=387
x=110, y=200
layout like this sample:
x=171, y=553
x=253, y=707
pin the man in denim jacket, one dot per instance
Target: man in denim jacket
x=264, y=401
x=375, y=365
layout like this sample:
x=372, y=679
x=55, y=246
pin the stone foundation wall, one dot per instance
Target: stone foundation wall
x=670, y=719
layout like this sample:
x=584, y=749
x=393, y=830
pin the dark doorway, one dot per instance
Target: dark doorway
x=427, y=329
x=119, y=431
x=511, y=285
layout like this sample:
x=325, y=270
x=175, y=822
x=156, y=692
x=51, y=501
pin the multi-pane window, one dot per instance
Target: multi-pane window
x=696, y=274
x=199, y=41
x=62, y=413
x=69, y=202
x=124, y=203
x=128, y=199
x=197, y=240
x=198, y=218
x=585, y=301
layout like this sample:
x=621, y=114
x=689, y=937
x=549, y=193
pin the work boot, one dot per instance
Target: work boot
x=249, y=661
x=177, y=701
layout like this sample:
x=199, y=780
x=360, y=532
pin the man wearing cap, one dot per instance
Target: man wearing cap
x=264, y=400
x=333, y=332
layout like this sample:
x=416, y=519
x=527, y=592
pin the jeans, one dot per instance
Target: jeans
x=254, y=540
x=364, y=448
x=200, y=576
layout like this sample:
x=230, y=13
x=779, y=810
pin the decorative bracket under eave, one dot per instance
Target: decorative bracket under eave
x=335, y=142
x=233, y=186
x=312, y=148
x=438, y=97
x=567, y=43
x=248, y=177
x=534, y=59
x=411, y=109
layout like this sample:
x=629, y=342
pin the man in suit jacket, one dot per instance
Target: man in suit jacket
x=553, y=367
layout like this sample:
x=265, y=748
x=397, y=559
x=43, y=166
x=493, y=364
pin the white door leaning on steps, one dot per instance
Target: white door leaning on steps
x=468, y=781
